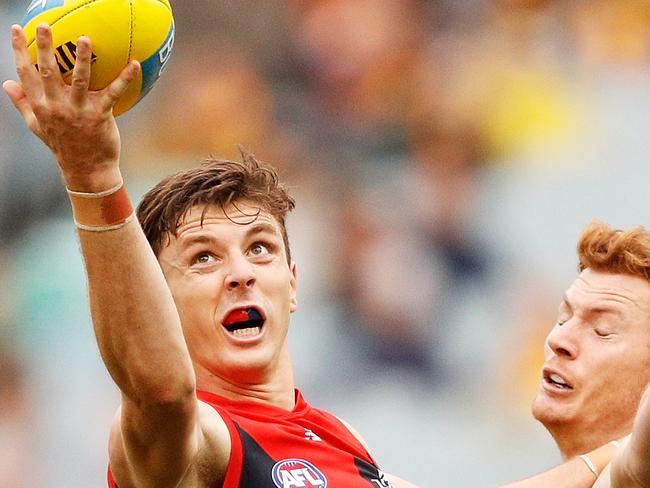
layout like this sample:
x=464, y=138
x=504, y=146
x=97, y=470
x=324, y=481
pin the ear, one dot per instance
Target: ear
x=293, y=288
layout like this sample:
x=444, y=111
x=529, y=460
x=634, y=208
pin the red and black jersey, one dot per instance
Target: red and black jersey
x=302, y=448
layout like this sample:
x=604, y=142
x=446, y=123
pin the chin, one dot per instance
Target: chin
x=549, y=413
x=249, y=366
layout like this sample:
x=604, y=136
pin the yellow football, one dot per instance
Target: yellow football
x=120, y=31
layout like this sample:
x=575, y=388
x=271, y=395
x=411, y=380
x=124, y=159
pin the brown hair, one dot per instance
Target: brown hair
x=216, y=182
x=606, y=249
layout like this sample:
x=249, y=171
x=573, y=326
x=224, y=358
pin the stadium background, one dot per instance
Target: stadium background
x=444, y=155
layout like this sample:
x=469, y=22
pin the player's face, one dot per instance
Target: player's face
x=597, y=356
x=233, y=289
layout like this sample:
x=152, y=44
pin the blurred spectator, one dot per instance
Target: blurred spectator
x=611, y=34
x=29, y=188
x=15, y=419
x=390, y=281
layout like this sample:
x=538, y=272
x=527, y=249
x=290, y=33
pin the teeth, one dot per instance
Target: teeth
x=557, y=379
x=250, y=331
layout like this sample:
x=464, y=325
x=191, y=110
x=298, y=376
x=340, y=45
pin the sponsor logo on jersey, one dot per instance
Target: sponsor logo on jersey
x=297, y=473
x=311, y=435
x=382, y=481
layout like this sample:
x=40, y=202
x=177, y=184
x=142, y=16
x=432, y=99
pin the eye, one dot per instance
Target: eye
x=260, y=249
x=602, y=333
x=204, y=257
x=562, y=318
x=563, y=314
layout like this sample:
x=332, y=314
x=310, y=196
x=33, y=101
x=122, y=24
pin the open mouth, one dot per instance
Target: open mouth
x=557, y=381
x=244, y=322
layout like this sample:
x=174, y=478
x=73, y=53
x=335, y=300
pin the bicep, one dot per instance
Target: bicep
x=158, y=445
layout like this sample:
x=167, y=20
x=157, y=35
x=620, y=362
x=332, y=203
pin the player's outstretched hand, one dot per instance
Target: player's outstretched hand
x=76, y=124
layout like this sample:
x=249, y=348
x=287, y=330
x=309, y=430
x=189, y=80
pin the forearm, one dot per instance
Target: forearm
x=631, y=466
x=581, y=471
x=572, y=474
x=140, y=337
x=136, y=323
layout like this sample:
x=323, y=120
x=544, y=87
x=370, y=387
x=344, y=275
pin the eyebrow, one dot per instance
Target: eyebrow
x=258, y=228
x=199, y=239
x=595, y=310
x=262, y=227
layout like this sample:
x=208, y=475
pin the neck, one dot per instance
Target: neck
x=575, y=440
x=274, y=385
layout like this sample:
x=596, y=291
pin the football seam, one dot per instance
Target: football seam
x=65, y=15
x=93, y=1
x=132, y=27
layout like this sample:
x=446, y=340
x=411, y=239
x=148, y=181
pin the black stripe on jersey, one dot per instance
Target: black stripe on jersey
x=257, y=465
x=371, y=473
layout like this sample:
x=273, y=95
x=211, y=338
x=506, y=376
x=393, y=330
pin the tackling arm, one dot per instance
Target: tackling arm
x=630, y=468
x=578, y=472
x=572, y=474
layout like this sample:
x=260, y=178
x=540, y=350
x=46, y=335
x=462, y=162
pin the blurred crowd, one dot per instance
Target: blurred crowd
x=444, y=156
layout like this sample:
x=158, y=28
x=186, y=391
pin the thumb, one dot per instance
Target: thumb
x=18, y=97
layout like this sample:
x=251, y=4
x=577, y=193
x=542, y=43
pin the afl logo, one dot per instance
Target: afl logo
x=296, y=473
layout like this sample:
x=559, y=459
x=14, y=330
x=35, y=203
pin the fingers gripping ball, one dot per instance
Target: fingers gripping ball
x=120, y=30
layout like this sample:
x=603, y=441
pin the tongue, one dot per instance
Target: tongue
x=242, y=315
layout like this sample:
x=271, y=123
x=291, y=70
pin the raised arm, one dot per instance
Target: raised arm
x=630, y=468
x=572, y=474
x=138, y=329
x=578, y=472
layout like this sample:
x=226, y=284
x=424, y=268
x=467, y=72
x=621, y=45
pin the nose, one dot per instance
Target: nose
x=241, y=274
x=562, y=340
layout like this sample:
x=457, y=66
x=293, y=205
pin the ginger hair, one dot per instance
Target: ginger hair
x=604, y=248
